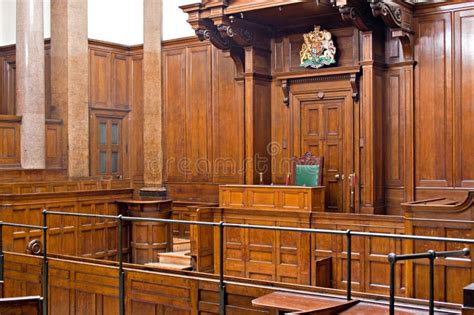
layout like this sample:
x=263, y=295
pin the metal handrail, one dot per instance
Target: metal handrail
x=221, y=226
x=431, y=255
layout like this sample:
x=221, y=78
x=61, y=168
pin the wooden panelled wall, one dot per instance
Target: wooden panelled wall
x=425, y=110
x=203, y=120
x=428, y=142
x=115, y=92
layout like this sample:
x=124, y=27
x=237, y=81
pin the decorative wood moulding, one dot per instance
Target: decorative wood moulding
x=406, y=39
x=239, y=34
x=285, y=86
x=10, y=118
x=391, y=15
x=208, y=31
x=359, y=17
x=327, y=74
x=399, y=19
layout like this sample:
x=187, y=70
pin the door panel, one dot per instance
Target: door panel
x=321, y=133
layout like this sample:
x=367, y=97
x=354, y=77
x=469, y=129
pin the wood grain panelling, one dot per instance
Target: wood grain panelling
x=174, y=97
x=100, y=78
x=110, y=77
x=121, y=81
x=369, y=267
x=54, y=144
x=78, y=287
x=393, y=131
x=8, y=93
x=433, y=106
x=136, y=117
x=203, y=119
x=281, y=137
x=227, y=119
x=442, y=218
x=464, y=98
x=198, y=113
x=10, y=140
x=87, y=237
x=116, y=92
x=265, y=255
x=62, y=186
x=286, y=50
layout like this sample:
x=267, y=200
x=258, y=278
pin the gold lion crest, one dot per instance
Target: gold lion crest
x=318, y=49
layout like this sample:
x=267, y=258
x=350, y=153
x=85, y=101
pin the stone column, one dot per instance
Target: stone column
x=152, y=93
x=30, y=83
x=70, y=79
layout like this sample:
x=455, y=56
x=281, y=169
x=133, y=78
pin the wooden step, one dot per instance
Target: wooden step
x=158, y=265
x=181, y=244
x=177, y=258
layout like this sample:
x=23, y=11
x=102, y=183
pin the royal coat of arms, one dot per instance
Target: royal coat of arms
x=318, y=49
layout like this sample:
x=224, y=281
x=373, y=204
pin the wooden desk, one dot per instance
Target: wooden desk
x=293, y=302
x=268, y=255
x=272, y=197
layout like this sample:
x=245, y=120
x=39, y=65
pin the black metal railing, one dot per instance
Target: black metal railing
x=431, y=255
x=349, y=234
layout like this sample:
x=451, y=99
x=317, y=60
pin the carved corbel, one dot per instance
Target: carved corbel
x=208, y=31
x=285, y=86
x=358, y=17
x=355, y=88
x=391, y=15
x=399, y=19
x=235, y=30
x=405, y=38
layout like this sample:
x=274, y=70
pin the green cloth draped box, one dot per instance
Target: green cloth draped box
x=307, y=175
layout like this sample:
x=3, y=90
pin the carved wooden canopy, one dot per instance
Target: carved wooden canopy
x=241, y=23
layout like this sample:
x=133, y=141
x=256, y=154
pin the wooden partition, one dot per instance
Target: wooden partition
x=202, y=239
x=10, y=128
x=370, y=268
x=443, y=217
x=183, y=210
x=62, y=186
x=77, y=287
x=264, y=254
x=87, y=237
x=321, y=259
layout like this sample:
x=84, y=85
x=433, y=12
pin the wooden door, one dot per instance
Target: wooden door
x=324, y=127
